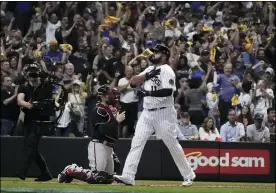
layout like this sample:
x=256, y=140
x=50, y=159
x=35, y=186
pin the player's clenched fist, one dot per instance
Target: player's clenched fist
x=153, y=73
x=121, y=116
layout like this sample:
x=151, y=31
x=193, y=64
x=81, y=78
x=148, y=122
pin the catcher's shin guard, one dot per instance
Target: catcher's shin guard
x=78, y=173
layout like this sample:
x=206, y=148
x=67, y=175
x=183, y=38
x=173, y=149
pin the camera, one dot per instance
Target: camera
x=45, y=107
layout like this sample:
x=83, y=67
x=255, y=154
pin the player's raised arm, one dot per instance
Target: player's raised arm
x=142, y=77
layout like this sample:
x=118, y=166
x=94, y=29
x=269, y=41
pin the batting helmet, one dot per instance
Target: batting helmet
x=156, y=58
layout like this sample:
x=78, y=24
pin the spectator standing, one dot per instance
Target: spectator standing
x=258, y=132
x=208, y=131
x=193, y=98
x=9, y=108
x=184, y=85
x=69, y=76
x=128, y=102
x=212, y=99
x=270, y=77
x=262, y=97
x=105, y=66
x=52, y=24
x=229, y=84
x=245, y=96
x=77, y=100
x=232, y=131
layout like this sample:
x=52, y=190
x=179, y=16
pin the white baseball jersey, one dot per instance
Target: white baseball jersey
x=166, y=79
x=161, y=121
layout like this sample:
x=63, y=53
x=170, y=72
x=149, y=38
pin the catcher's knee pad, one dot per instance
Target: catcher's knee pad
x=100, y=177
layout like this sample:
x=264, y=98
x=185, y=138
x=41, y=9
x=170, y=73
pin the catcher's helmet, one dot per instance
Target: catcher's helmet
x=112, y=93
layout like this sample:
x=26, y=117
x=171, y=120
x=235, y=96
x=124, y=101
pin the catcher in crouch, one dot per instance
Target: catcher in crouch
x=103, y=135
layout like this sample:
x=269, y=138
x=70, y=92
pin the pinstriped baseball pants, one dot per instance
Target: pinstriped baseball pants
x=163, y=123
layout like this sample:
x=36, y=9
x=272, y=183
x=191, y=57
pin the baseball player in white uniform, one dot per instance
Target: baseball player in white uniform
x=159, y=116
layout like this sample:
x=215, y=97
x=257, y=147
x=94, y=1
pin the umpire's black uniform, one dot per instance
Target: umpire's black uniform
x=33, y=131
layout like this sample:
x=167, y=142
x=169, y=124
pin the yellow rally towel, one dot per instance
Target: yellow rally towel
x=243, y=28
x=235, y=100
x=247, y=46
x=111, y=20
x=271, y=36
x=167, y=23
x=38, y=10
x=213, y=54
x=214, y=97
x=146, y=53
x=67, y=48
x=37, y=53
x=83, y=87
x=189, y=43
x=208, y=29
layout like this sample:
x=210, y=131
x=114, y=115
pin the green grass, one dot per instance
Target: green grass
x=145, y=186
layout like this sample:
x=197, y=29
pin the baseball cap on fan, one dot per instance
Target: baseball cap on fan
x=269, y=70
x=32, y=68
x=77, y=82
x=258, y=116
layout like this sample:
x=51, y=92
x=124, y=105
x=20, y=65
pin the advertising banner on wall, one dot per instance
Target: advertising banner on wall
x=228, y=161
x=211, y=160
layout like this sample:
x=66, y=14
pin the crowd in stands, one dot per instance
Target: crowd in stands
x=223, y=55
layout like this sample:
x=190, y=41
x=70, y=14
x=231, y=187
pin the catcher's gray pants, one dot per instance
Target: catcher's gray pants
x=100, y=157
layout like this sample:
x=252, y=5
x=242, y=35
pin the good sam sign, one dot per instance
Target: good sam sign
x=228, y=161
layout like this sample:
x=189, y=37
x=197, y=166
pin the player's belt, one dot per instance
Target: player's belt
x=103, y=142
x=155, y=109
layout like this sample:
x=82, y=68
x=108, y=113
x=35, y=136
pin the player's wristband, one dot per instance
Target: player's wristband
x=148, y=93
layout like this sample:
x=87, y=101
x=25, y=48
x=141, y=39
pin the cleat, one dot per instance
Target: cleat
x=122, y=180
x=188, y=182
x=44, y=177
x=20, y=176
x=64, y=177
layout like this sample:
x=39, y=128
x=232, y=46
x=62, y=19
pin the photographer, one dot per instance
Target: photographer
x=34, y=91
